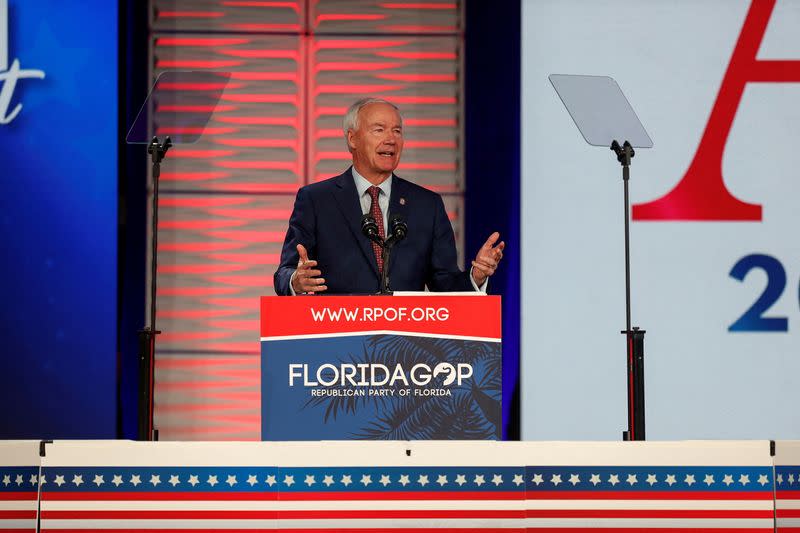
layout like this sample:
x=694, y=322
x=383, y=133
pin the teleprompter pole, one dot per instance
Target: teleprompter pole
x=633, y=335
x=147, y=336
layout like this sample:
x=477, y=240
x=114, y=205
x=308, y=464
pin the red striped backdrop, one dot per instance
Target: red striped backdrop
x=225, y=200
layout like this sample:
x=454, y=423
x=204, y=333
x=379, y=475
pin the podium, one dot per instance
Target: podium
x=402, y=367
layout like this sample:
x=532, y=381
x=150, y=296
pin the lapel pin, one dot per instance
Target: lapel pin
x=402, y=201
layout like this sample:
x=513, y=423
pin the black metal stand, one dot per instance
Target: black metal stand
x=386, y=254
x=634, y=335
x=147, y=336
x=397, y=232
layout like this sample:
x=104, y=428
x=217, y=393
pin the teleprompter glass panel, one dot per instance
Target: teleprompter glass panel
x=600, y=110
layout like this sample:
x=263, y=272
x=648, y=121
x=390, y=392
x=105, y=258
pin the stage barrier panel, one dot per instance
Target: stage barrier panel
x=787, y=486
x=19, y=485
x=419, y=485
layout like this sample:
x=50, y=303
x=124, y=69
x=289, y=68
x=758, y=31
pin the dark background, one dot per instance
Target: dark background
x=74, y=209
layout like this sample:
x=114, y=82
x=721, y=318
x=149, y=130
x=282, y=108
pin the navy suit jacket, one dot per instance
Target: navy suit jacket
x=327, y=220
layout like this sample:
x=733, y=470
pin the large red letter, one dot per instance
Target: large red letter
x=701, y=194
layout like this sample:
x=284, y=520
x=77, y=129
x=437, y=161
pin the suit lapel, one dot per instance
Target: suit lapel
x=347, y=200
x=398, y=205
x=399, y=199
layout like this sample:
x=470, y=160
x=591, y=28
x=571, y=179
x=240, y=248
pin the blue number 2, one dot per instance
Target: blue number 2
x=753, y=319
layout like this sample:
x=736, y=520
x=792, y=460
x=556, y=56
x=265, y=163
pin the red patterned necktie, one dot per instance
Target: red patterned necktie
x=376, y=212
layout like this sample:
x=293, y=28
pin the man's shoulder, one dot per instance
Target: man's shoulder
x=325, y=185
x=411, y=188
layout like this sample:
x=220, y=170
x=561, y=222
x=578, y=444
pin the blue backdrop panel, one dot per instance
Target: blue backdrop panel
x=492, y=197
x=58, y=219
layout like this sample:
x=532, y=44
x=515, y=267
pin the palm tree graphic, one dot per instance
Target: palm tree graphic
x=470, y=412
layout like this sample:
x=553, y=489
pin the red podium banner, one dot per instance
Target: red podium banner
x=462, y=316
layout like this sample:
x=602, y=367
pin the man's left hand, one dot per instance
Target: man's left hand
x=488, y=258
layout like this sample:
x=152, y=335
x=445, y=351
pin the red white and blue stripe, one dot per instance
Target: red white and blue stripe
x=396, y=499
x=18, y=498
x=659, y=498
x=787, y=499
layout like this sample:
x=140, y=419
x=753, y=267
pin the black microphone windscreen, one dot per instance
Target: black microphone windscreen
x=368, y=225
x=398, y=227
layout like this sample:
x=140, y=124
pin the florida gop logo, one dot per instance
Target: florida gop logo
x=378, y=375
x=701, y=194
x=10, y=72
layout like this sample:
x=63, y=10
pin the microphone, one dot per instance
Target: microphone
x=370, y=228
x=398, y=229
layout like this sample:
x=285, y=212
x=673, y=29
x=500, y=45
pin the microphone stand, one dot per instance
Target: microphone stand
x=386, y=252
x=398, y=230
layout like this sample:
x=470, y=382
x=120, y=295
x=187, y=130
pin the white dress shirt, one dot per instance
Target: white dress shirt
x=362, y=186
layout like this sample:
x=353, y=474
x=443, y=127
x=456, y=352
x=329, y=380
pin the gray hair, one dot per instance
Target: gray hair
x=351, y=117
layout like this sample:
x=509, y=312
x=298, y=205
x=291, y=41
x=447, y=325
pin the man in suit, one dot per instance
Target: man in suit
x=325, y=249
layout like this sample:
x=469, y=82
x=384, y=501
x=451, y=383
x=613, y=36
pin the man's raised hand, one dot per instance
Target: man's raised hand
x=488, y=258
x=306, y=277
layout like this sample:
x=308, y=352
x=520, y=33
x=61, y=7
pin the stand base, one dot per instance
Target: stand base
x=146, y=431
x=635, y=359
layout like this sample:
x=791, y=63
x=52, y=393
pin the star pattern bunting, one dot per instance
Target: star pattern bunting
x=532, y=479
x=787, y=498
x=398, y=499
x=18, y=498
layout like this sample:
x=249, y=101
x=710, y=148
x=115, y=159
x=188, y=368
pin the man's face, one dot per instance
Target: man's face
x=378, y=142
